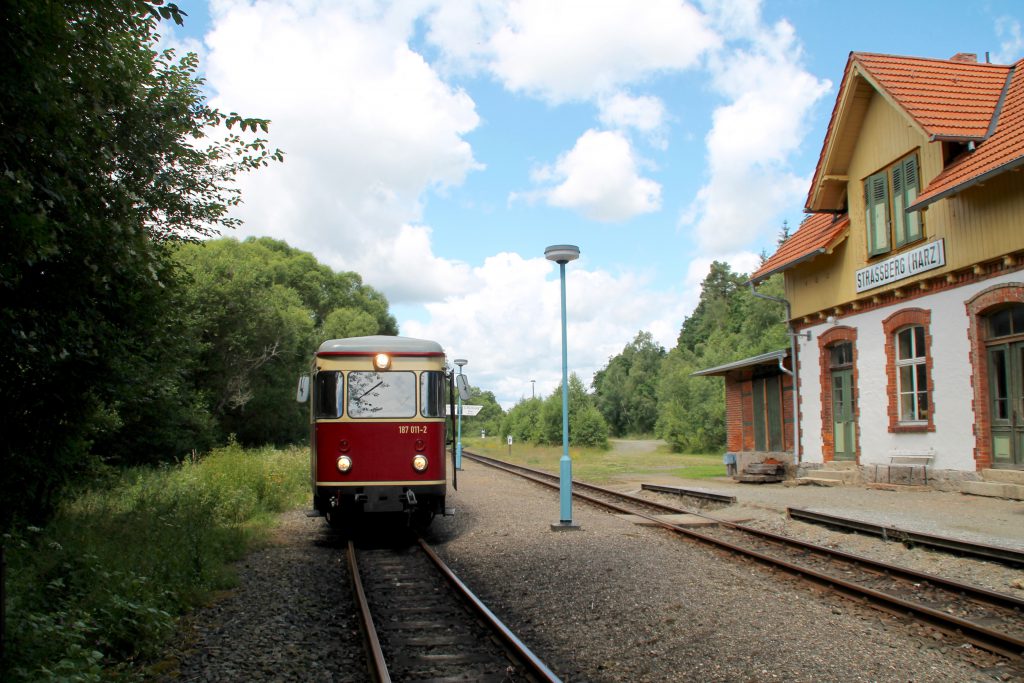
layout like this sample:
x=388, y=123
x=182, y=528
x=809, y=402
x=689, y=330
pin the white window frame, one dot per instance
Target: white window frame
x=918, y=358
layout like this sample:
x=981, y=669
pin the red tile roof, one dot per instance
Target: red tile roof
x=817, y=234
x=955, y=99
x=946, y=98
x=1001, y=151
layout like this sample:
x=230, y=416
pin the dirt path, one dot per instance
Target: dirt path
x=635, y=445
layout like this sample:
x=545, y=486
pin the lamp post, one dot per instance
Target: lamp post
x=562, y=254
x=461, y=362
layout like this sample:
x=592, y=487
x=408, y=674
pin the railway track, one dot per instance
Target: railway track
x=988, y=619
x=423, y=624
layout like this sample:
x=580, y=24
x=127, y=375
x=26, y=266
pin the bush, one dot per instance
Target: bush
x=99, y=588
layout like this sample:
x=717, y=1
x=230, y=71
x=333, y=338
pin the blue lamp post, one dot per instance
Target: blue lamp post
x=562, y=254
x=461, y=362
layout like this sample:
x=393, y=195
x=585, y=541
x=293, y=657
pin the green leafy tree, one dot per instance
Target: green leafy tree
x=256, y=321
x=625, y=390
x=108, y=152
x=523, y=421
x=348, y=322
x=728, y=324
x=586, y=424
x=491, y=414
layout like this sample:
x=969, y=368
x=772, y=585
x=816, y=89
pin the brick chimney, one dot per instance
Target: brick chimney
x=969, y=57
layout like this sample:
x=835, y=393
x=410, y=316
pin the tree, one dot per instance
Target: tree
x=491, y=414
x=348, y=322
x=728, y=324
x=256, y=306
x=586, y=424
x=625, y=390
x=106, y=156
x=523, y=421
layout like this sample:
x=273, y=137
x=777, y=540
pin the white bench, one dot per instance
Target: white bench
x=911, y=459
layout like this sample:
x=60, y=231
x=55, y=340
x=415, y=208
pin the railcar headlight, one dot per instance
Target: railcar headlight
x=344, y=463
x=419, y=463
x=382, y=361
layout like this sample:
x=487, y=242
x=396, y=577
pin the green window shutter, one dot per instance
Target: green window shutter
x=912, y=184
x=876, y=202
x=899, y=205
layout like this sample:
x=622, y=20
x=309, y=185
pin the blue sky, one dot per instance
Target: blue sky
x=437, y=147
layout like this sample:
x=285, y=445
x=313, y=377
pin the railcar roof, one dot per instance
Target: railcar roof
x=380, y=343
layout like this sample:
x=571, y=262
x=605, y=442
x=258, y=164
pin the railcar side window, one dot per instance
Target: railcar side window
x=381, y=394
x=432, y=393
x=328, y=394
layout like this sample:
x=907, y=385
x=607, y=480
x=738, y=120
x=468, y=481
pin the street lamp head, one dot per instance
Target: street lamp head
x=562, y=253
x=461, y=361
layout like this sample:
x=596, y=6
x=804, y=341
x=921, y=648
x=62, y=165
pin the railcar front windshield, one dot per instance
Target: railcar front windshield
x=381, y=394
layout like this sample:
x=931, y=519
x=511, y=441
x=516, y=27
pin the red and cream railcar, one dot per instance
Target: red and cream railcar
x=378, y=427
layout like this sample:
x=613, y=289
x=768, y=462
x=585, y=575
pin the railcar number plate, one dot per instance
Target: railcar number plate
x=412, y=429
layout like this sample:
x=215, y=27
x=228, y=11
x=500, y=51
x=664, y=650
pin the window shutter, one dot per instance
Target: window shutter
x=899, y=216
x=877, y=210
x=910, y=191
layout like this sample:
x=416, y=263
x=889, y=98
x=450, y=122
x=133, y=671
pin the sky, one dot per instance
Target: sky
x=437, y=147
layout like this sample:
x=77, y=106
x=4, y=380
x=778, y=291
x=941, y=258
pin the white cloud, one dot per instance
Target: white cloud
x=366, y=124
x=599, y=178
x=578, y=49
x=1011, y=41
x=621, y=110
x=753, y=137
x=509, y=325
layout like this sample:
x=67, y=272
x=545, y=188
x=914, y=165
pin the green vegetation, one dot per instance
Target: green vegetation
x=127, y=336
x=599, y=465
x=539, y=421
x=728, y=324
x=626, y=390
x=97, y=591
x=490, y=416
x=644, y=390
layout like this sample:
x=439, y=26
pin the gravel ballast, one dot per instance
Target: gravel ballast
x=611, y=601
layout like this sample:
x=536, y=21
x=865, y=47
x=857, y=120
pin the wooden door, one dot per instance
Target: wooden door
x=844, y=429
x=1006, y=397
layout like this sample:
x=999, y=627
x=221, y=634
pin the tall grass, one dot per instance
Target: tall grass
x=99, y=589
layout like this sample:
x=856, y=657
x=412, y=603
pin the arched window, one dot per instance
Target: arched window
x=909, y=370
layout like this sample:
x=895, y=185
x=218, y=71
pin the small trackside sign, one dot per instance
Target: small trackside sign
x=918, y=260
x=467, y=410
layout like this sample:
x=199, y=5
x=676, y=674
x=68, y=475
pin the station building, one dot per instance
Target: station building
x=905, y=283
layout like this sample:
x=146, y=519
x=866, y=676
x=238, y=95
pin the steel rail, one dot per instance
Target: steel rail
x=990, y=639
x=378, y=666
x=692, y=493
x=522, y=652
x=983, y=550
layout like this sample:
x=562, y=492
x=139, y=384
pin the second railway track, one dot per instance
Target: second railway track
x=988, y=619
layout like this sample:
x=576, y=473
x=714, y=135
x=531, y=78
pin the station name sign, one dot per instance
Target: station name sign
x=909, y=263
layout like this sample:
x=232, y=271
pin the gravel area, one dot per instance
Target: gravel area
x=614, y=601
x=290, y=619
